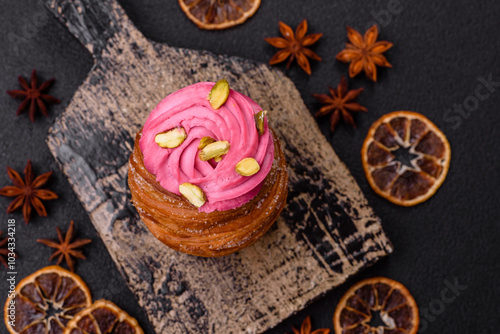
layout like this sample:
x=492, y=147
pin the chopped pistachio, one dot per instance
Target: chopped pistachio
x=247, y=167
x=214, y=150
x=259, y=121
x=171, y=138
x=193, y=194
x=204, y=142
x=218, y=94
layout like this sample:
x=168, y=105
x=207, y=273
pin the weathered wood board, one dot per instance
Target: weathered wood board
x=326, y=233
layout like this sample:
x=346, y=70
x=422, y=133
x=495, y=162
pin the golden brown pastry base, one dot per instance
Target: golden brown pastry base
x=179, y=225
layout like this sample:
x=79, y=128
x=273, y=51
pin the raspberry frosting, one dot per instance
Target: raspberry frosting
x=189, y=108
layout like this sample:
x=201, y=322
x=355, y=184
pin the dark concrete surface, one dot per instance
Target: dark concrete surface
x=444, y=52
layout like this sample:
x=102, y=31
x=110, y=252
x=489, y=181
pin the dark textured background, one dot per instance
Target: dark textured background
x=442, y=50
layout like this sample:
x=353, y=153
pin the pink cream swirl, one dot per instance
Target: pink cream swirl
x=189, y=108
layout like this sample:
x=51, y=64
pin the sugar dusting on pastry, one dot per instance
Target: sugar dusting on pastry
x=233, y=122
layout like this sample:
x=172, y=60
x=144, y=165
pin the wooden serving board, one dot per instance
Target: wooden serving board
x=326, y=233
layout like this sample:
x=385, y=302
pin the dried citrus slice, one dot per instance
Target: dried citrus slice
x=219, y=14
x=103, y=317
x=373, y=300
x=405, y=157
x=46, y=301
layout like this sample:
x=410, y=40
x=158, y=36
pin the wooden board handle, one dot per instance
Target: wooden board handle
x=92, y=22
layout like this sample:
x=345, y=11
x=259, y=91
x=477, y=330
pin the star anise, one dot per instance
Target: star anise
x=294, y=46
x=364, y=53
x=4, y=251
x=67, y=247
x=306, y=328
x=340, y=103
x=28, y=193
x=33, y=96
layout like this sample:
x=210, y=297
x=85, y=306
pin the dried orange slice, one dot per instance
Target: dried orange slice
x=219, y=14
x=405, y=157
x=373, y=300
x=46, y=301
x=103, y=317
